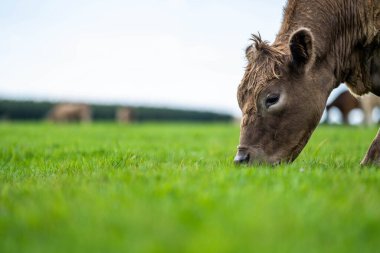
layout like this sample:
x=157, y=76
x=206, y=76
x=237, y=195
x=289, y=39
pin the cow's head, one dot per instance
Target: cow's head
x=282, y=97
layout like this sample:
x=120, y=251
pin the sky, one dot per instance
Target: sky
x=175, y=53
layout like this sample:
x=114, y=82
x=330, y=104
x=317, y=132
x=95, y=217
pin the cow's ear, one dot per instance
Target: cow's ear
x=301, y=46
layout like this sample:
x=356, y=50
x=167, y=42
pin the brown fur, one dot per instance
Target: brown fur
x=263, y=66
x=321, y=43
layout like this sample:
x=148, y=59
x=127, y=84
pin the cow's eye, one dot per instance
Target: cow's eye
x=271, y=99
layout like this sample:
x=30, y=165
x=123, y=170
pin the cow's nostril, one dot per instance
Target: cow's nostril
x=241, y=157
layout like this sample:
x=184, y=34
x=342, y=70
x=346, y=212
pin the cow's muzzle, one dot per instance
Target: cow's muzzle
x=242, y=157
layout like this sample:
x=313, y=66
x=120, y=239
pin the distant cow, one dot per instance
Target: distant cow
x=70, y=113
x=345, y=102
x=124, y=115
x=368, y=103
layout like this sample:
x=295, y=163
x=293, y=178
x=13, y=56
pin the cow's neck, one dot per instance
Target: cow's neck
x=342, y=30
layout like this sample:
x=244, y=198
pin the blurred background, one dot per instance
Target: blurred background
x=131, y=60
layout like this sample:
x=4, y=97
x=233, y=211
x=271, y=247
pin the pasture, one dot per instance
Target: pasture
x=173, y=188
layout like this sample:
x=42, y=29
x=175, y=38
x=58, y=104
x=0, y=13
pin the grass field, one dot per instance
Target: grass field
x=173, y=188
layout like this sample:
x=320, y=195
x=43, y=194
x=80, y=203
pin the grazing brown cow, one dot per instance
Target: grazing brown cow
x=321, y=43
x=124, y=115
x=345, y=102
x=70, y=113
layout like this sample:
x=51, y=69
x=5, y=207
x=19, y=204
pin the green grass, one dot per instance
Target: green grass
x=173, y=188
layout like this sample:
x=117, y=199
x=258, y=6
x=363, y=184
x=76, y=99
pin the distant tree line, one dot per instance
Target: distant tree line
x=31, y=110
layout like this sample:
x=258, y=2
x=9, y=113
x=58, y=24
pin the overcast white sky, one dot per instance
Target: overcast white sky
x=179, y=53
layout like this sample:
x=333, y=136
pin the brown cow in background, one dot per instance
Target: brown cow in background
x=70, y=113
x=346, y=102
x=124, y=115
